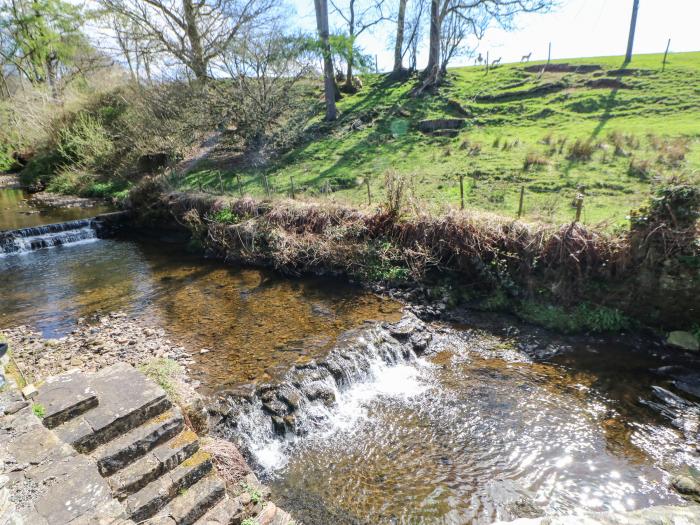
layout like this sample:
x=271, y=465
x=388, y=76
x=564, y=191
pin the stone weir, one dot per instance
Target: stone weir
x=254, y=416
x=110, y=448
x=61, y=234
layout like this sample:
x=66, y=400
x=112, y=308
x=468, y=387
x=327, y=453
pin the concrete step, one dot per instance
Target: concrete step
x=157, y=494
x=127, y=448
x=127, y=400
x=65, y=397
x=193, y=503
x=161, y=459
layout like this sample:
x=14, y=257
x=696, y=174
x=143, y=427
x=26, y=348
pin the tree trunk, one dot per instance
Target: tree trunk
x=351, y=30
x=328, y=79
x=400, y=23
x=432, y=70
x=197, y=62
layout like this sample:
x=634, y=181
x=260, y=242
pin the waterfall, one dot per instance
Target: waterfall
x=47, y=236
x=320, y=397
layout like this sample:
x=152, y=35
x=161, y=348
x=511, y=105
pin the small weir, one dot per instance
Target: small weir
x=48, y=236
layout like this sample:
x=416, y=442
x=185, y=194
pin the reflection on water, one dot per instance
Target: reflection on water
x=254, y=323
x=17, y=210
x=477, y=437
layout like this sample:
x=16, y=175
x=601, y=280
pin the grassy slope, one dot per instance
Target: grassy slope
x=491, y=150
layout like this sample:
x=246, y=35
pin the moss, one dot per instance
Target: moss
x=582, y=318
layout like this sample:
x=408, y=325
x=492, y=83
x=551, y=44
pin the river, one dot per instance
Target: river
x=483, y=429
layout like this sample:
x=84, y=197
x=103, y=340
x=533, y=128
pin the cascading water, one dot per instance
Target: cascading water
x=320, y=397
x=48, y=236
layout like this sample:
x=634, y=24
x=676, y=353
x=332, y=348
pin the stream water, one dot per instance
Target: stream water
x=482, y=429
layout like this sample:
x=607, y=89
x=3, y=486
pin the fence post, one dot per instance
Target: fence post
x=369, y=193
x=520, y=205
x=461, y=191
x=579, y=206
x=266, y=185
x=291, y=179
x=221, y=182
x=240, y=186
x=666, y=54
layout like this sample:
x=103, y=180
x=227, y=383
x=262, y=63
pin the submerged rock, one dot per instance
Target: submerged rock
x=683, y=340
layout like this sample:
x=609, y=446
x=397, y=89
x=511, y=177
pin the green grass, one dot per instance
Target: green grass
x=609, y=143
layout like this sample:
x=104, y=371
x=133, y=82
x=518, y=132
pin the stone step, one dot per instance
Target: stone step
x=161, y=459
x=127, y=400
x=127, y=448
x=227, y=512
x=157, y=494
x=193, y=503
x=65, y=397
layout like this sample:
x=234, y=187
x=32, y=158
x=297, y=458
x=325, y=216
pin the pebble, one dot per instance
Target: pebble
x=96, y=342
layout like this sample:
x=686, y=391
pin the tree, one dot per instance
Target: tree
x=266, y=67
x=475, y=16
x=359, y=17
x=194, y=32
x=40, y=37
x=328, y=77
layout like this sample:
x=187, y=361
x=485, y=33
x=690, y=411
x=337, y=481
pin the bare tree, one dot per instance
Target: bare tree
x=477, y=15
x=194, y=32
x=455, y=30
x=328, y=78
x=414, y=30
x=265, y=67
x=359, y=16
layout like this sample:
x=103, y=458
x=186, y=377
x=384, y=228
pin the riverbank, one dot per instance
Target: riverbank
x=571, y=279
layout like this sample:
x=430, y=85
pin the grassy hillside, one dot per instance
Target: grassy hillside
x=607, y=131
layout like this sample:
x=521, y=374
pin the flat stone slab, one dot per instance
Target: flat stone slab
x=127, y=398
x=65, y=397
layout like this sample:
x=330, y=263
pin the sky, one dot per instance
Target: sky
x=576, y=28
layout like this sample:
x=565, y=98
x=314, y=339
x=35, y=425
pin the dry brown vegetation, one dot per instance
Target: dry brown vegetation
x=483, y=251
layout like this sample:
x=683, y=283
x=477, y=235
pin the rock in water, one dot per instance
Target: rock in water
x=683, y=340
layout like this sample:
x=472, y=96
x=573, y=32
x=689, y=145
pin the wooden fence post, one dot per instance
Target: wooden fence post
x=461, y=191
x=666, y=54
x=291, y=179
x=579, y=207
x=240, y=186
x=520, y=205
x=369, y=193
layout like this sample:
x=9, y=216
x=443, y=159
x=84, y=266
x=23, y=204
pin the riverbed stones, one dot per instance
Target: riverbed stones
x=91, y=346
x=661, y=515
